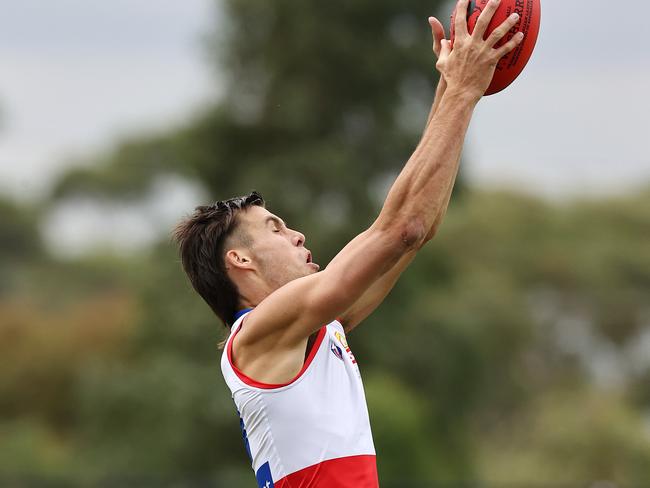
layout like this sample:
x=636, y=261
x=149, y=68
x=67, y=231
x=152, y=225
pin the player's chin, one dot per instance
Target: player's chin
x=313, y=267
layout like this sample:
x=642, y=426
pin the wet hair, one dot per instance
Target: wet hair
x=201, y=238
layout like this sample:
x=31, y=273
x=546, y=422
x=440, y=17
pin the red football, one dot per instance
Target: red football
x=513, y=63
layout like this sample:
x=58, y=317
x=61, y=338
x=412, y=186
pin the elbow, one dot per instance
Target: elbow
x=431, y=234
x=401, y=235
x=410, y=235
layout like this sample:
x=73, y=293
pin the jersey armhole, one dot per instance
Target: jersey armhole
x=270, y=386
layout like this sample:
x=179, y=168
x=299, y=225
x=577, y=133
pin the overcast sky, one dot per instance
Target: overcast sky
x=578, y=119
x=75, y=75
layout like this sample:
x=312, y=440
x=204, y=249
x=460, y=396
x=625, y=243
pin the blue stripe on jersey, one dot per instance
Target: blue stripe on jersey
x=241, y=312
x=263, y=475
x=245, y=436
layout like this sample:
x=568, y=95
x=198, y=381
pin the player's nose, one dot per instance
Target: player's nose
x=298, y=238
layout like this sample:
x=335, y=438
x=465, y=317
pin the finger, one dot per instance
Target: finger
x=445, y=48
x=460, y=22
x=438, y=32
x=502, y=30
x=509, y=46
x=484, y=19
x=445, y=51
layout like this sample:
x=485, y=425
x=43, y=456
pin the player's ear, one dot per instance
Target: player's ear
x=238, y=258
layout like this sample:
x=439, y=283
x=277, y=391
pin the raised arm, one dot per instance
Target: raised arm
x=281, y=323
x=376, y=293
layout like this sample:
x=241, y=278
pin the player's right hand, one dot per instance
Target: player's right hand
x=470, y=65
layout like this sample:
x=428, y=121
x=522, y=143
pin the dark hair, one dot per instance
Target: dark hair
x=201, y=238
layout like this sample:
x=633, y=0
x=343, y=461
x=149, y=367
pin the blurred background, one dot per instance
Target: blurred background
x=515, y=352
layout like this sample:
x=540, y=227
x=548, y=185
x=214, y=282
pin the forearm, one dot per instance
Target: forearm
x=421, y=192
x=440, y=91
x=419, y=196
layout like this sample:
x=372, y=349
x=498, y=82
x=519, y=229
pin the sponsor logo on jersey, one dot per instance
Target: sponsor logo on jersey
x=336, y=350
x=344, y=343
x=263, y=475
x=341, y=339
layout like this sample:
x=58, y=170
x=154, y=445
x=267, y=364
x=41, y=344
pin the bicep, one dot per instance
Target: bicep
x=297, y=309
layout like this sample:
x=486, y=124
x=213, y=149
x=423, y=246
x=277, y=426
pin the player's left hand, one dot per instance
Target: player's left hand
x=469, y=67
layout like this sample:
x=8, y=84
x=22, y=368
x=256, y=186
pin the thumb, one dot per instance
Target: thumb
x=445, y=51
x=438, y=32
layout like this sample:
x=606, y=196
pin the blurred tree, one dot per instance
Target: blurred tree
x=467, y=353
x=19, y=237
x=19, y=243
x=570, y=438
x=322, y=104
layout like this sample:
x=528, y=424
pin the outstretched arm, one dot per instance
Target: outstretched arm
x=376, y=294
x=277, y=329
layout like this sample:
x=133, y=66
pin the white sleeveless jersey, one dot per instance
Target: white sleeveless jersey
x=313, y=432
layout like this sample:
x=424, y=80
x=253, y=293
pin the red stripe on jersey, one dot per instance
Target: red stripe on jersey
x=269, y=386
x=346, y=472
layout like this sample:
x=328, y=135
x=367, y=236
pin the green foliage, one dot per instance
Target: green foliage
x=409, y=450
x=159, y=416
x=32, y=450
x=578, y=436
x=326, y=100
x=466, y=378
x=19, y=236
x=127, y=172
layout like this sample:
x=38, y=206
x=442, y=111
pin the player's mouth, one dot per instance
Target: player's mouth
x=309, y=261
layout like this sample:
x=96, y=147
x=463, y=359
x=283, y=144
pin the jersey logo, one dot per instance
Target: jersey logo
x=263, y=475
x=336, y=350
x=344, y=343
x=341, y=339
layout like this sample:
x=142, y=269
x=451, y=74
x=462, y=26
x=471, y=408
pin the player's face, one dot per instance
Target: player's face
x=279, y=251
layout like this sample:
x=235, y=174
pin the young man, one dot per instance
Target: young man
x=293, y=378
